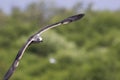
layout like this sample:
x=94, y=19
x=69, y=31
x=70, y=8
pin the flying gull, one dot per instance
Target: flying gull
x=37, y=38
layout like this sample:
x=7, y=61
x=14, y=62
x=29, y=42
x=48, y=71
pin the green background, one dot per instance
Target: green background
x=87, y=49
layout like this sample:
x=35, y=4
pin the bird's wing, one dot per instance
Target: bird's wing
x=35, y=38
x=17, y=59
x=65, y=21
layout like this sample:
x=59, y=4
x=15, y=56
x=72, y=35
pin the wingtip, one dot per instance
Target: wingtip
x=73, y=18
x=83, y=14
x=77, y=17
x=80, y=15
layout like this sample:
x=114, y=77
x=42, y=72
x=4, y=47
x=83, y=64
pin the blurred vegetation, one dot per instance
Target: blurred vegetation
x=84, y=50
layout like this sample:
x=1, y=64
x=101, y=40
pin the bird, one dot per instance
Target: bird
x=37, y=39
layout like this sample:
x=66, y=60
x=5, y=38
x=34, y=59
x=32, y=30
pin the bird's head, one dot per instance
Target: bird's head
x=36, y=38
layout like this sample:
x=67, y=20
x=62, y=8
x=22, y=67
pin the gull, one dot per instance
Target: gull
x=37, y=39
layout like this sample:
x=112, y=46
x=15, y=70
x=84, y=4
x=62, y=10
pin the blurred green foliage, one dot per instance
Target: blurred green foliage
x=84, y=50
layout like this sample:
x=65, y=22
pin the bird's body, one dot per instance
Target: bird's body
x=37, y=38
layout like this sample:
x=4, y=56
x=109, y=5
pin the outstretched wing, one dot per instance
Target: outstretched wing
x=36, y=38
x=17, y=59
x=65, y=21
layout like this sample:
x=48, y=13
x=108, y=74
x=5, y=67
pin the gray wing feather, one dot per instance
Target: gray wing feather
x=16, y=61
x=65, y=21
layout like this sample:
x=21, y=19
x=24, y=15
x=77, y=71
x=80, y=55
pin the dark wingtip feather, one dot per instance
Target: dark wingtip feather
x=76, y=17
x=73, y=18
